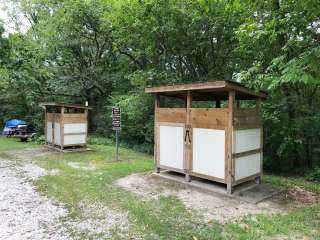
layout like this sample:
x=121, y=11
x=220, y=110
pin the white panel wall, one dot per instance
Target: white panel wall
x=209, y=152
x=75, y=128
x=247, y=139
x=49, y=131
x=56, y=133
x=74, y=139
x=247, y=166
x=171, y=146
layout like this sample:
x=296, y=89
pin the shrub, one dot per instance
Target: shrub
x=314, y=175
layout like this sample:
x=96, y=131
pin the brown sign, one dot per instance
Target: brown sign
x=116, y=118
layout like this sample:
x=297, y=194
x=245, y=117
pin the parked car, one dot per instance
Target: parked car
x=19, y=129
x=25, y=132
x=11, y=125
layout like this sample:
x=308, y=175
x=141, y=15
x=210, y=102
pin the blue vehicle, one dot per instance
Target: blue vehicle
x=18, y=128
x=11, y=126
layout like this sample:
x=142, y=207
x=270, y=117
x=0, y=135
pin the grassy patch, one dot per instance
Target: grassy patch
x=288, y=182
x=89, y=177
x=298, y=224
x=7, y=144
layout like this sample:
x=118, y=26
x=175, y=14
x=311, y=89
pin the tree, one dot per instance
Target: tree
x=282, y=40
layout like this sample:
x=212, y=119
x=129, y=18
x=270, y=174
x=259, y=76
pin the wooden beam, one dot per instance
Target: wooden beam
x=56, y=104
x=239, y=88
x=155, y=150
x=189, y=103
x=246, y=153
x=258, y=107
x=62, y=128
x=186, y=87
x=230, y=159
x=211, y=86
x=86, y=112
x=238, y=104
x=188, y=137
x=45, y=126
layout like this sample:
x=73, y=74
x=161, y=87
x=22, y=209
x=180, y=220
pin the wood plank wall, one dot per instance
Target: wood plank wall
x=172, y=115
x=212, y=118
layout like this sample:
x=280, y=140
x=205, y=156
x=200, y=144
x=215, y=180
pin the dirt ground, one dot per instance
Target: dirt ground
x=29, y=153
x=26, y=214
x=210, y=205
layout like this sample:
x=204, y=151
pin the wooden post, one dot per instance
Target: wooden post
x=156, y=157
x=258, y=108
x=230, y=173
x=45, y=125
x=258, y=105
x=86, y=112
x=52, y=126
x=238, y=104
x=62, y=128
x=188, y=152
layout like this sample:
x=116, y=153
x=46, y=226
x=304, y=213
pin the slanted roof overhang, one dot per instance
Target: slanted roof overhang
x=204, y=91
x=56, y=104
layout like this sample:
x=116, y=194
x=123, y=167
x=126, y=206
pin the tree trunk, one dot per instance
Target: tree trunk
x=92, y=120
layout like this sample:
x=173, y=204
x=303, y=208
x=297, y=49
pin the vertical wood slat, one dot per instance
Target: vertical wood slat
x=45, y=126
x=189, y=128
x=62, y=128
x=230, y=160
x=258, y=107
x=238, y=104
x=156, y=134
x=52, y=127
x=187, y=161
x=86, y=114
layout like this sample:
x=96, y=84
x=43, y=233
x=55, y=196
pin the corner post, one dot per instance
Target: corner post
x=86, y=113
x=156, y=142
x=258, y=108
x=62, y=128
x=188, y=137
x=45, y=125
x=230, y=159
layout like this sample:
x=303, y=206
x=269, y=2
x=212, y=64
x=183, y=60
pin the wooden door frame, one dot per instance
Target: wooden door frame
x=157, y=154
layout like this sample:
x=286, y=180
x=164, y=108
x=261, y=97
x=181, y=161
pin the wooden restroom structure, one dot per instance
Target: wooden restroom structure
x=66, y=125
x=222, y=142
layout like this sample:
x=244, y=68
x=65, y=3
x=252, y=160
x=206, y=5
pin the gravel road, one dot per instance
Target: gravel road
x=25, y=213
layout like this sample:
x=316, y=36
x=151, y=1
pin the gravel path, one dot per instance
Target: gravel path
x=212, y=206
x=24, y=213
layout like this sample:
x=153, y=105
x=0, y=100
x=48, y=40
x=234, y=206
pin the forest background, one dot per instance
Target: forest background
x=106, y=52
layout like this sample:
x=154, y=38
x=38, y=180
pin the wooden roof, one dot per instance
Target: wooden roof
x=212, y=90
x=56, y=104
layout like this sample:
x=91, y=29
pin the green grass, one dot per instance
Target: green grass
x=290, y=182
x=164, y=218
x=7, y=144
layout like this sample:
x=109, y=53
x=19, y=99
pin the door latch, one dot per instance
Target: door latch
x=187, y=134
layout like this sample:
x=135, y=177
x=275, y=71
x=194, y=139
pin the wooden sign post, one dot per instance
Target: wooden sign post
x=116, y=125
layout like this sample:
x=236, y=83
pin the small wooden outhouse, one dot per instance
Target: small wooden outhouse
x=222, y=142
x=66, y=125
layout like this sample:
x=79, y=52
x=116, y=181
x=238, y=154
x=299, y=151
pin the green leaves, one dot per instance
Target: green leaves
x=107, y=51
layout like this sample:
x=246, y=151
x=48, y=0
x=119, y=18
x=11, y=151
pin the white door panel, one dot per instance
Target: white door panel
x=209, y=152
x=171, y=146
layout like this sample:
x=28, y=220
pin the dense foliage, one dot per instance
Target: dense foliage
x=106, y=52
